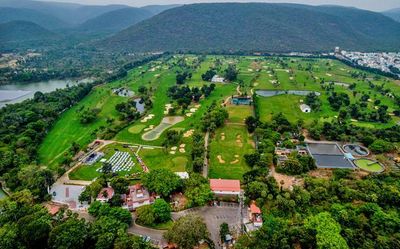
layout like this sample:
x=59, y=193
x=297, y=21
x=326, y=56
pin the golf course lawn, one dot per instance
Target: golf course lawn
x=368, y=165
x=226, y=154
x=264, y=73
x=161, y=158
x=238, y=113
x=68, y=128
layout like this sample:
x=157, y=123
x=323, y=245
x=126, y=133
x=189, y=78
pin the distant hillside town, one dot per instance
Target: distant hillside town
x=385, y=62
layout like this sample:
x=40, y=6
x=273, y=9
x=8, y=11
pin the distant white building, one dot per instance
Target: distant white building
x=217, y=79
x=305, y=108
x=182, y=175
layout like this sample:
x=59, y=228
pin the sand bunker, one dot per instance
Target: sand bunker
x=328, y=74
x=220, y=159
x=235, y=162
x=167, y=108
x=182, y=146
x=182, y=150
x=165, y=124
x=189, y=133
x=189, y=114
x=239, y=140
x=174, y=148
x=172, y=152
x=222, y=136
x=147, y=118
x=151, y=127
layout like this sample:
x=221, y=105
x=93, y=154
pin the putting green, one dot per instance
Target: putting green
x=136, y=129
x=369, y=165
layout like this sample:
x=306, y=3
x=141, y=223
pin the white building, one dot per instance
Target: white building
x=305, y=108
x=217, y=79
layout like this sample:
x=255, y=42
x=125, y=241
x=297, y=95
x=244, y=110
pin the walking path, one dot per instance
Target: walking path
x=205, y=166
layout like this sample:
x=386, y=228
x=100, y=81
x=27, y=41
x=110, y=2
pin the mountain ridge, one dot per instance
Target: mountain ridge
x=258, y=27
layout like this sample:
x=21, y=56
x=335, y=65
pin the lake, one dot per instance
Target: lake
x=270, y=93
x=18, y=92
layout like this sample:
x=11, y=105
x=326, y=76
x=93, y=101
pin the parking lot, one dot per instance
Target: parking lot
x=214, y=216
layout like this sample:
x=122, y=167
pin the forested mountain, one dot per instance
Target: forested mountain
x=22, y=31
x=393, y=13
x=47, y=21
x=70, y=13
x=157, y=9
x=259, y=27
x=115, y=20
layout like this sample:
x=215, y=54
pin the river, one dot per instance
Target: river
x=18, y=92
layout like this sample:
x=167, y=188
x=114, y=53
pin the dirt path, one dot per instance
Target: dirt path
x=238, y=90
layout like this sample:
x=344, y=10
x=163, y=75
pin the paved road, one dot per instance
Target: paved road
x=215, y=216
x=155, y=235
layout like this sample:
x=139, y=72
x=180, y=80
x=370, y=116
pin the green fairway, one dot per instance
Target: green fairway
x=68, y=129
x=227, y=149
x=238, y=113
x=161, y=158
x=369, y=165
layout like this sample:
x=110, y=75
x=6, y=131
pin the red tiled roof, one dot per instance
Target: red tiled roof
x=110, y=193
x=225, y=185
x=254, y=209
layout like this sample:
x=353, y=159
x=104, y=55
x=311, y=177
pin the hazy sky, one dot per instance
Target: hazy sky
x=376, y=5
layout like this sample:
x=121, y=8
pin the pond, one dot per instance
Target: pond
x=139, y=106
x=2, y=194
x=270, y=93
x=18, y=92
x=165, y=124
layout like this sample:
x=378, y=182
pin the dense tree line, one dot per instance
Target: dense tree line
x=345, y=211
x=214, y=118
x=23, y=127
x=24, y=224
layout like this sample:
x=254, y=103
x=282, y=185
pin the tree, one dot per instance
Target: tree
x=9, y=237
x=106, y=168
x=207, y=76
x=251, y=123
x=223, y=230
x=197, y=190
x=381, y=146
x=328, y=231
x=161, y=181
x=231, y=73
x=187, y=231
x=120, y=185
x=145, y=215
x=71, y=234
x=162, y=210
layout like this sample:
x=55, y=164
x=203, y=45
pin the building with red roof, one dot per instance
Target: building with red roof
x=255, y=214
x=137, y=197
x=105, y=194
x=225, y=187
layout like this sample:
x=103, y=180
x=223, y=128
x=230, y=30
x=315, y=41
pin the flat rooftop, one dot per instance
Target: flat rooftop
x=329, y=156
